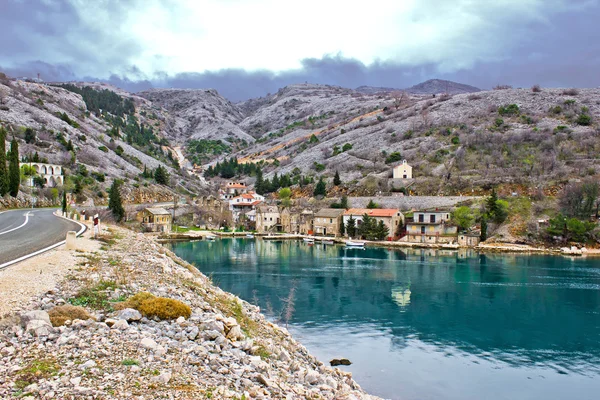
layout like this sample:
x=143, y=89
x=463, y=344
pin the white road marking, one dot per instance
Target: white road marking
x=18, y=227
x=6, y=264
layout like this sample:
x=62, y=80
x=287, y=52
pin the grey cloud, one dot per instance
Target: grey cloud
x=54, y=40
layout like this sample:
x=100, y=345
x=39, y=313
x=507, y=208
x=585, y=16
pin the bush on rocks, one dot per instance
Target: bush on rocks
x=151, y=306
x=164, y=308
x=61, y=314
x=134, y=301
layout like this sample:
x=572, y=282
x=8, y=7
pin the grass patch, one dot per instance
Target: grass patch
x=130, y=361
x=94, y=296
x=35, y=371
x=263, y=353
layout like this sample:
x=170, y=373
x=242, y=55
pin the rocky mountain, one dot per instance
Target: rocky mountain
x=432, y=86
x=199, y=114
x=436, y=86
x=56, y=125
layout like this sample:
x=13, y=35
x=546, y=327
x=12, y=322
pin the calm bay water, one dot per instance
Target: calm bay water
x=428, y=324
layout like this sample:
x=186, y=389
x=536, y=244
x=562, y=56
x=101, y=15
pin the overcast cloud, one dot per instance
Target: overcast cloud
x=247, y=48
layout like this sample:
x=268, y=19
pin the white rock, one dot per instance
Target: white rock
x=75, y=381
x=180, y=320
x=235, y=333
x=164, y=378
x=38, y=327
x=193, y=333
x=88, y=364
x=129, y=315
x=33, y=388
x=135, y=368
x=120, y=324
x=36, y=315
x=149, y=344
x=312, y=378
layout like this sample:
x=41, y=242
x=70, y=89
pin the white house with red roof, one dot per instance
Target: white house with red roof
x=391, y=217
x=244, y=203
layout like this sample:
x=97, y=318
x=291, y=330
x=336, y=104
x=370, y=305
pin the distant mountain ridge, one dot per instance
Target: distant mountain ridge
x=431, y=86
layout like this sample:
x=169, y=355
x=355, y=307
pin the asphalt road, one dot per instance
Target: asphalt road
x=25, y=231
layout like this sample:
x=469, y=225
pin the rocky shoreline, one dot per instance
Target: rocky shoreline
x=223, y=349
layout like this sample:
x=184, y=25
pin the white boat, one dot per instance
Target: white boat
x=328, y=242
x=249, y=236
x=308, y=240
x=354, y=243
x=211, y=237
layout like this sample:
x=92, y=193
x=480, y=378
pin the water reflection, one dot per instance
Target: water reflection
x=493, y=311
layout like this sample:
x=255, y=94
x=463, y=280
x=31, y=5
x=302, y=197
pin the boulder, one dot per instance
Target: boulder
x=36, y=315
x=129, y=315
x=235, y=333
x=149, y=344
x=38, y=327
x=341, y=361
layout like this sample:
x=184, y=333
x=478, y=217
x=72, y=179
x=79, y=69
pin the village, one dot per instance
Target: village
x=236, y=209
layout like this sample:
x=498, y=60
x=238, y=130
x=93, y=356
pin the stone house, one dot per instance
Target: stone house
x=470, y=239
x=290, y=220
x=392, y=218
x=431, y=227
x=155, y=219
x=305, y=222
x=327, y=221
x=402, y=171
x=268, y=219
x=233, y=189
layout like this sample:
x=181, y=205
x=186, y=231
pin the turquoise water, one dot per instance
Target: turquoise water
x=428, y=324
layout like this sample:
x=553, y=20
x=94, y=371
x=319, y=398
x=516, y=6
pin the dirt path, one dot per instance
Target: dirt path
x=37, y=275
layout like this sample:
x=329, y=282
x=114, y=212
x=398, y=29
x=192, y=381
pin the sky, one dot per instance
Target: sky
x=248, y=48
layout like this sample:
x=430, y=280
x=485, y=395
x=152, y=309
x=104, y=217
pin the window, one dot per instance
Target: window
x=432, y=219
x=422, y=230
x=421, y=217
x=330, y=221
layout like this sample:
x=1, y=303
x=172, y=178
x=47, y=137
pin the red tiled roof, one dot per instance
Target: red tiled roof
x=376, y=212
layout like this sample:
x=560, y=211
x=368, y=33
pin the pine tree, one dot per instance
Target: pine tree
x=3, y=170
x=368, y=228
x=64, y=201
x=115, y=204
x=382, y=231
x=492, y=204
x=351, y=227
x=336, y=179
x=161, y=176
x=14, y=174
x=372, y=205
x=259, y=186
x=344, y=203
x=342, y=228
x=320, y=188
x=483, y=236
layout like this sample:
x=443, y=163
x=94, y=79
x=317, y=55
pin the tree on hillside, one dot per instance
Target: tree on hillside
x=344, y=203
x=161, y=176
x=372, y=205
x=259, y=185
x=579, y=200
x=64, y=201
x=483, y=236
x=336, y=179
x=351, y=227
x=115, y=204
x=463, y=217
x=342, y=229
x=495, y=208
x=14, y=174
x=3, y=170
x=320, y=188
x=285, y=195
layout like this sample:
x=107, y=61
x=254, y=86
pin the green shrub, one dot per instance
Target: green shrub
x=455, y=140
x=555, y=110
x=498, y=122
x=318, y=167
x=511, y=109
x=103, y=148
x=347, y=147
x=584, y=119
x=393, y=157
x=313, y=139
x=135, y=301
